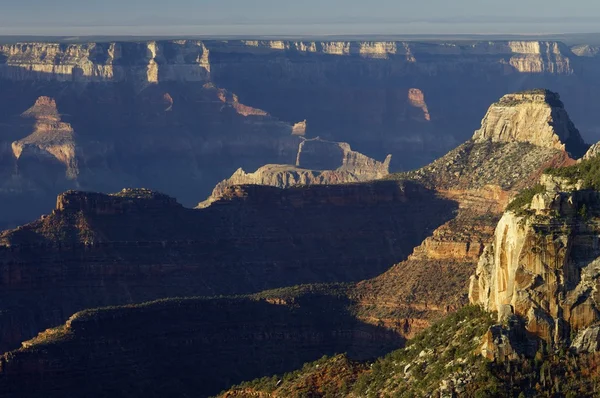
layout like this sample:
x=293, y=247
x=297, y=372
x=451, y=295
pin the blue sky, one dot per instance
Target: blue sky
x=297, y=16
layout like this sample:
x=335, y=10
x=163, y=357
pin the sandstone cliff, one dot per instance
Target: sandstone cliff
x=542, y=264
x=537, y=117
x=481, y=175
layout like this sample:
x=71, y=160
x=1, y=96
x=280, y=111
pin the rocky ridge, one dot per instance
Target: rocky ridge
x=317, y=162
x=137, y=245
x=481, y=176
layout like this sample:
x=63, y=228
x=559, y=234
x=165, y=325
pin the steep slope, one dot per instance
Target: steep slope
x=541, y=266
x=183, y=347
x=137, y=245
x=439, y=362
x=179, y=116
x=481, y=175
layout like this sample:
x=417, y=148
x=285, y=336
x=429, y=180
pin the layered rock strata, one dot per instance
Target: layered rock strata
x=317, y=162
x=481, y=175
x=537, y=117
x=183, y=347
x=51, y=138
x=542, y=265
x=96, y=249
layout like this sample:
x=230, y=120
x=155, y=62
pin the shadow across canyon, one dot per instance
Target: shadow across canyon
x=189, y=347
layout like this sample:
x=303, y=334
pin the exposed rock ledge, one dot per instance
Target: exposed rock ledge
x=543, y=266
x=537, y=117
x=51, y=139
x=317, y=162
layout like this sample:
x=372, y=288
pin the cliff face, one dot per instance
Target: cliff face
x=149, y=62
x=182, y=347
x=317, y=162
x=134, y=246
x=537, y=117
x=542, y=265
x=481, y=175
x=199, y=110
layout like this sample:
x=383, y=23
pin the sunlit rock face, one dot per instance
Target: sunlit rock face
x=317, y=162
x=142, y=112
x=537, y=117
x=543, y=266
x=148, y=62
x=52, y=141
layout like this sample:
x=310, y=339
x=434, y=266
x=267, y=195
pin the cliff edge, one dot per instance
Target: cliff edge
x=535, y=116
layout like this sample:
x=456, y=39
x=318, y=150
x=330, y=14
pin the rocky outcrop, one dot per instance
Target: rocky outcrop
x=542, y=265
x=417, y=99
x=317, y=162
x=481, y=175
x=51, y=138
x=592, y=152
x=137, y=245
x=537, y=117
x=317, y=154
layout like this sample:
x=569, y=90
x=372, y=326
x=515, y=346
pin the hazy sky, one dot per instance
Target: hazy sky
x=297, y=16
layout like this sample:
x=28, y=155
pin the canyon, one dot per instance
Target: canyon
x=179, y=116
x=139, y=245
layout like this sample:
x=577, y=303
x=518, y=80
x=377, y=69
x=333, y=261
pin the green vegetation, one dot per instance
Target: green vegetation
x=524, y=198
x=443, y=355
x=445, y=350
x=588, y=172
x=328, y=377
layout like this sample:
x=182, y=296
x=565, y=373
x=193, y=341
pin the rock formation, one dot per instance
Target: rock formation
x=537, y=117
x=592, y=152
x=542, y=265
x=144, y=112
x=481, y=175
x=137, y=245
x=51, y=138
x=317, y=162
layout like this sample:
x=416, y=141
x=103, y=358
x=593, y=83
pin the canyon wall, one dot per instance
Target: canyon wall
x=481, y=176
x=137, y=245
x=181, y=347
x=180, y=116
x=541, y=265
